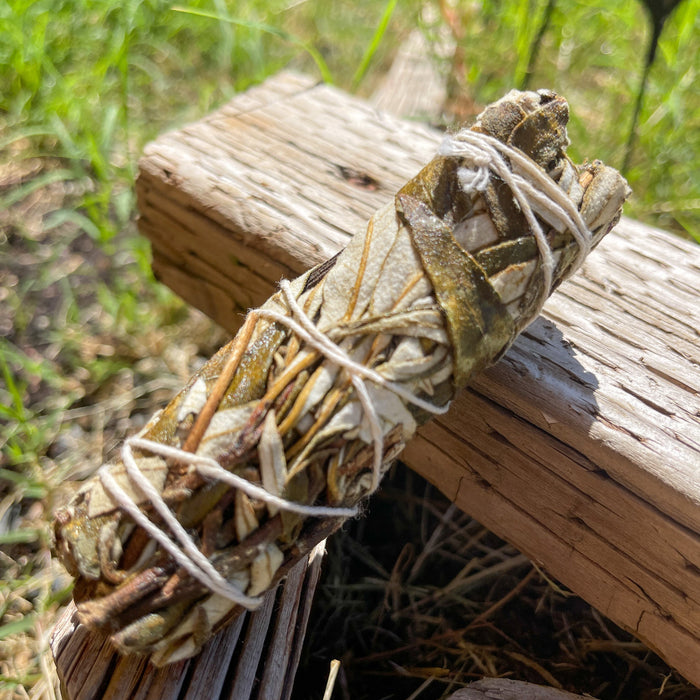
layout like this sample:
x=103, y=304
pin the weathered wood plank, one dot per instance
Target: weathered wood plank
x=507, y=689
x=581, y=447
x=413, y=87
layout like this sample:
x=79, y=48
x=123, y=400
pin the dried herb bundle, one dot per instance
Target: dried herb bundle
x=290, y=426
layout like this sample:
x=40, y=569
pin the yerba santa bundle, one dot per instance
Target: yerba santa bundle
x=283, y=433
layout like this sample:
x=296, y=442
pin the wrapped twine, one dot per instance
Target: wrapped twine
x=283, y=433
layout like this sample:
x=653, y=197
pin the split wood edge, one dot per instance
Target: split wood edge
x=255, y=657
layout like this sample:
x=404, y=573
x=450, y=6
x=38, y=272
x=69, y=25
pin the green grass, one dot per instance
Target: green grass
x=90, y=345
x=593, y=53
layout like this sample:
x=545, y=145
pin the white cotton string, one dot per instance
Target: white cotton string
x=375, y=428
x=206, y=466
x=527, y=182
x=476, y=145
x=191, y=559
x=475, y=179
x=186, y=554
x=310, y=334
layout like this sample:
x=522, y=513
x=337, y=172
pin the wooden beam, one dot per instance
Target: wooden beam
x=581, y=447
x=413, y=87
x=508, y=689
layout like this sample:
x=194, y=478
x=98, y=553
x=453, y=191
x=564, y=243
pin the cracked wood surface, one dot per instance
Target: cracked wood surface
x=581, y=447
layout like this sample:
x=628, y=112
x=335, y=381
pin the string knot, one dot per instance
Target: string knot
x=532, y=189
x=474, y=179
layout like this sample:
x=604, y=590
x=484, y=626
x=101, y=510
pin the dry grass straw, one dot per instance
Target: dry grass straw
x=77, y=380
x=418, y=600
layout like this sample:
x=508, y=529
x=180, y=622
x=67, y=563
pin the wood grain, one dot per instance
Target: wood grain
x=506, y=689
x=581, y=447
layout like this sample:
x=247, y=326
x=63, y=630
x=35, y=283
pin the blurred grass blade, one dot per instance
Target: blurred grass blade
x=524, y=80
x=28, y=133
x=29, y=488
x=22, y=536
x=19, y=193
x=24, y=624
x=267, y=29
x=374, y=44
x=72, y=150
x=12, y=389
x=72, y=216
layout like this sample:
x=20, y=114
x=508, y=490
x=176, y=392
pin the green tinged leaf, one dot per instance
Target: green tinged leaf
x=22, y=536
x=478, y=324
x=24, y=624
